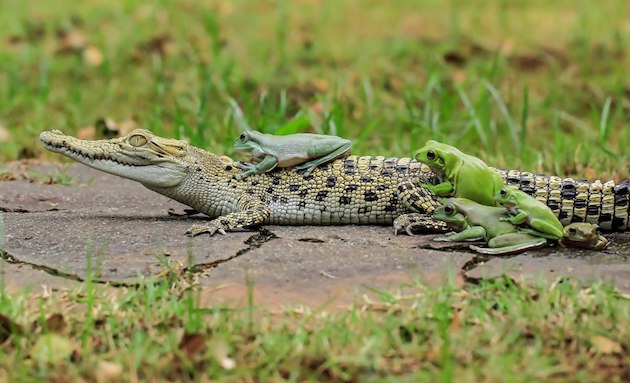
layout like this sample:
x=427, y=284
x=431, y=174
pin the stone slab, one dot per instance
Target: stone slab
x=56, y=234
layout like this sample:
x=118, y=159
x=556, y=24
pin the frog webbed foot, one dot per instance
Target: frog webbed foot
x=249, y=169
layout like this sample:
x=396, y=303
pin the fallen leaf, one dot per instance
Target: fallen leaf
x=92, y=56
x=7, y=176
x=317, y=107
x=182, y=213
x=108, y=371
x=192, y=344
x=56, y=323
x=69, y=41
x=321, y=85
x=528, y=62
x=108, y=128
x=455, y=322
x=604, y=345
x=590, y=173
x=160, y=44
x=459, y=76
x=15, y=40
x=52, y=348
x=455, y=58
x=220, y=350
x=5, y=136
x=8, y=328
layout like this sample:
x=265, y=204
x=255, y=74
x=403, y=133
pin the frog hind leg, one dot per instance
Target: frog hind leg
x=342, y=151
x=536, y=233
x=547, y=229
x=442, y=189
x=512, y=243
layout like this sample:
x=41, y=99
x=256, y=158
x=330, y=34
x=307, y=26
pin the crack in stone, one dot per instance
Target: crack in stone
x=60, y=274
x=477, y=260
x=20, y=210
x=254, y=242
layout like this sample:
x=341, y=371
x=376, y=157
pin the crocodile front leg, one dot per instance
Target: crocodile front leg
x=253, y=212
x=418, y=199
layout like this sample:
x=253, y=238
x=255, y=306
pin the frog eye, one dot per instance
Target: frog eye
x=449, y=209
x=431, y=155
x=503, y=193
x=572, y=231
x=242, y=137
x=137, y=140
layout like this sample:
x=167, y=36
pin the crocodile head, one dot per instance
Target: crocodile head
x=140, y=156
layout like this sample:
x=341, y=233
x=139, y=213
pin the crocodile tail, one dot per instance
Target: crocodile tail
x=604, y=204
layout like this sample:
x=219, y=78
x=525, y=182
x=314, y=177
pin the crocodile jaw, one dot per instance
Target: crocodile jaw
x=107, y=156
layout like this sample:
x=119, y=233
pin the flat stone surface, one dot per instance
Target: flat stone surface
x=311, y=264
x=612, y=265
x=121, y=231
x=20, y=276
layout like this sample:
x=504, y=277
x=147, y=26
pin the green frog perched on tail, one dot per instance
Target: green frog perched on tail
x=533, y=216
x=302, y=150
x=474, y=221
x=462, y=175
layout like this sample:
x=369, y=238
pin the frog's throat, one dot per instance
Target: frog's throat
x=438, y=170
x=456, y=223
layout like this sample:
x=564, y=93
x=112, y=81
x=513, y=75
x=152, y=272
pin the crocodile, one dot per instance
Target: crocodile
x=352, y=190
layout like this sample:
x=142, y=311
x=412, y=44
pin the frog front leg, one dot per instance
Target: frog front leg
x=442, y=189
x=323, y=153
x=544, y=229
x=268, y=163
x=518, y=219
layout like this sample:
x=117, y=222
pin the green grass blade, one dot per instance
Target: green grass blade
x=524, y=118
x=505, y=112
x=604, y=126
x=474, y=116
x=238, y=116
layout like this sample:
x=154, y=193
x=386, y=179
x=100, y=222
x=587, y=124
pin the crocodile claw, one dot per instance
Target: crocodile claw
x=210, y=228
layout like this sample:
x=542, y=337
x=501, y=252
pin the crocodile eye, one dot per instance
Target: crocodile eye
x=449, y=209
x=572, y=230
x=431, y=155
x=138, y=140
x=503, y=193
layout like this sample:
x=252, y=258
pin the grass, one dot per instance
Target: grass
x=531, y=85
x=534, y=85
x=494, y=331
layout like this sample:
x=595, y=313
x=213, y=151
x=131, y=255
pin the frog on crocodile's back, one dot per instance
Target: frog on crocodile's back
x=302, y=150
x=462, y=175
x=477, y=221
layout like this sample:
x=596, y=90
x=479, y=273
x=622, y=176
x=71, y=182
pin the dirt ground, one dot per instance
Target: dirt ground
x=116, y=229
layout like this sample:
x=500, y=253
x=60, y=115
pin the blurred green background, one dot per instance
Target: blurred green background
x=536, y=85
